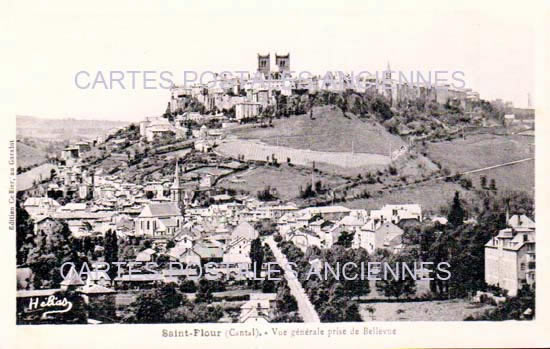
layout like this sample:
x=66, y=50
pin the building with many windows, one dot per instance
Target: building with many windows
x=510, y=256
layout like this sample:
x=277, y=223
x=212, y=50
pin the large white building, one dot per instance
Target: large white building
x=510, y=256
x=247, y=110
x=159, y=220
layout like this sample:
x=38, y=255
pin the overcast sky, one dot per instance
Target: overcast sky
x=52, y=41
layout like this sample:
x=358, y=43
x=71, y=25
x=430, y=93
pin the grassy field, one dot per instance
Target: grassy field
x=287, y=180
x=451, y=310
x=431, y=196
x=329, y=130
x=24, y=180
x=515, y=177
x=478, y=151
x=255, y=150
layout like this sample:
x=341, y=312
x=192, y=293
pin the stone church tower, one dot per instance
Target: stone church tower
x=264, y=64
x=176, y=190
x=282, y=62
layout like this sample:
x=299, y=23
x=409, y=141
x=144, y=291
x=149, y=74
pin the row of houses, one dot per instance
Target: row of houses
x=322, y=226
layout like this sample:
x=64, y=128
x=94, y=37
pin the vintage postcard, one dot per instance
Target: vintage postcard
x=264, y=173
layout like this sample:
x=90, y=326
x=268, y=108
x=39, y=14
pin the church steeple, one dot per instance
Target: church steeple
x=176, y=183
x=176, y=189
x=387, y=73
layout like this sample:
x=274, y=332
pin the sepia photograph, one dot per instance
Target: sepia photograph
x=263, y=164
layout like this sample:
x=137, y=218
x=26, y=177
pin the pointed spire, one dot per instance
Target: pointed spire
x=387, y=74
x=176, y=183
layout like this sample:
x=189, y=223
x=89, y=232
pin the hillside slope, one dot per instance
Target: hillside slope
x=327, y=130
x=63, y=129
x=28, y=156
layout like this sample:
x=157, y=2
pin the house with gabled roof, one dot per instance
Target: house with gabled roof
x=375, y=234
x=303, y=238
x=146, y=255
x=209, y=251
x=40, y=205
x=237, y=251
x=185, y=255
x=521, y=221
x=510, y=257
x=245, y=230
x=186, y=237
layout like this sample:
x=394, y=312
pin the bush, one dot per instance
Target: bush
x=188, y=286
x=465, y=183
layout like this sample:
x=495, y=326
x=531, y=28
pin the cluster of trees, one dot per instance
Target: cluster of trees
x=331, y=295
x=492, y=184
x=360, y=104
x=463, y=245
x=169, y=305
x=88, y=246
x=190, y=104
x=24, y=233
x=206, y=289
x=266, y=194
x=402, y=285
x=309, y=191
x=286, y=306
x=48, y=252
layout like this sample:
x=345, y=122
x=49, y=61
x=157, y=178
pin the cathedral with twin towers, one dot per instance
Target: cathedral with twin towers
x=282, y=62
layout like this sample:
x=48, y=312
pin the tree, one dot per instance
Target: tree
x=345, y=239
x=161, y=305
x=188, y=286
x=170, y=297
x=265, y=194
x=483, y=182
x=257, y=255
x=147, y=308
x=284, y=300
x=24, y=231
x=51, y=249
x=402, y=285
x=268, y=286
x=457, y=213
x=111, y=251
x=204, y=292
x=493, y=185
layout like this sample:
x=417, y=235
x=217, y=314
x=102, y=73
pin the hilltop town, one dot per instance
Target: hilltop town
x=242, y=172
